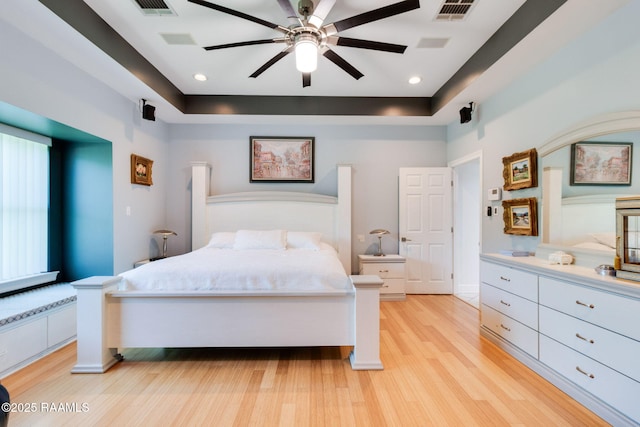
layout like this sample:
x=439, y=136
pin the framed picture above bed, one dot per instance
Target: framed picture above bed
x=141, y=170
x=520, y=170
x=601, y=163
x=520, y=216
x=282, y=159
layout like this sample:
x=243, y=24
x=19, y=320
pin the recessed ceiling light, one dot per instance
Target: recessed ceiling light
x=415, y=80
x=200, y=77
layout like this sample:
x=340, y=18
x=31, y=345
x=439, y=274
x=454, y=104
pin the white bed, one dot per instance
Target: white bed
x=124, y=312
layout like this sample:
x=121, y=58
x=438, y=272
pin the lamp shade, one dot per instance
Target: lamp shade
x=306, y=53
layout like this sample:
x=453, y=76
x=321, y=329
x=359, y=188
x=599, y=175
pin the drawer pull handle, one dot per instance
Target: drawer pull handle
x=586, y=305
x=506, y=279
x=584, y=373
x=505, y=303
x=383, y=271
x=584, y=339
x=505, y=328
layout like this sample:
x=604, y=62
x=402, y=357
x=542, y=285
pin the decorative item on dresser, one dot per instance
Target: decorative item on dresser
x=391, y=269
x=575, y=328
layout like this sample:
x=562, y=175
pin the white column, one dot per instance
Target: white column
x=366, y=350
x=551, y=205
x=93, y=354
x=199, y=194
x=344, y=216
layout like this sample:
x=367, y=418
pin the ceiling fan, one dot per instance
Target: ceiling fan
x=307, y=36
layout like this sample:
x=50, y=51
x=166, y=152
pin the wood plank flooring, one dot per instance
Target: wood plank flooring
x=438, y=372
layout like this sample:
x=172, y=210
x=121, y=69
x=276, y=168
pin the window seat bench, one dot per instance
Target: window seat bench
x=35, y=323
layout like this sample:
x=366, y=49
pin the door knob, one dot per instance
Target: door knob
x=404, y=239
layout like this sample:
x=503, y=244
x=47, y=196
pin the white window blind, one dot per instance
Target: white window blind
x=24, y=182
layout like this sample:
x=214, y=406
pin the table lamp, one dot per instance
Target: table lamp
x=379, y=232
x=165, y=234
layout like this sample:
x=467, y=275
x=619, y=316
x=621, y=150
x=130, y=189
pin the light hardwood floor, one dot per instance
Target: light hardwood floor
x=438, y=372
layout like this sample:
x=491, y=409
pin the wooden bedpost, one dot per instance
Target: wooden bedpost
x=94, y=356
x=199, y=193
x=344, y=216
x=366, y=348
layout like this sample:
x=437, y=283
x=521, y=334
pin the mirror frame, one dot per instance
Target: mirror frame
x=623, y=121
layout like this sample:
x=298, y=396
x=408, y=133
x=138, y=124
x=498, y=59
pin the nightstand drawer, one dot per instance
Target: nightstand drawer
x=391, y=270
x=392, y=286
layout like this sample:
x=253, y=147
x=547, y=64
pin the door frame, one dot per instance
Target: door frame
x=458, y=215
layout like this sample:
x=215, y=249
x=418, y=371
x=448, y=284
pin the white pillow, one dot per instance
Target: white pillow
x=304, y=240
x=222, y=240
x=607, y=239
x=260, y=239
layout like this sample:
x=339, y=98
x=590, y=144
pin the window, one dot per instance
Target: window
x=24, y=203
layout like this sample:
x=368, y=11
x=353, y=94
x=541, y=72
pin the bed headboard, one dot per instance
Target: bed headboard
x=583, y=216
x=264, y=210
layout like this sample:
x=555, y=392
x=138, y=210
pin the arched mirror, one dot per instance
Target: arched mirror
x=580, y=219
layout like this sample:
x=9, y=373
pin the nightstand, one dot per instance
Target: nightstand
x=391, y=269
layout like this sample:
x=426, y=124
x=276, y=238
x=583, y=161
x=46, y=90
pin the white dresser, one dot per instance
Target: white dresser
x=391, y=269
x=579, y=330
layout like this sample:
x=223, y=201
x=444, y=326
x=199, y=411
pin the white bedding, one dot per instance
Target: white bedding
x=252, y=270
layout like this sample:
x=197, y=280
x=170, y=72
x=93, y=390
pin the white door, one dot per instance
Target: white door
x=425, y=226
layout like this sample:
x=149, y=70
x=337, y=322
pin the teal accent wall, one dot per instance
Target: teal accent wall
x=87, y=209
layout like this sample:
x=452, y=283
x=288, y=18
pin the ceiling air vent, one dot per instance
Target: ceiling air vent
x=155, y=7
x=454, y=10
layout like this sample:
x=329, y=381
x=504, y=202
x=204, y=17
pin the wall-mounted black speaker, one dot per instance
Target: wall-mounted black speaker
x=465, y=113
x=148, y=111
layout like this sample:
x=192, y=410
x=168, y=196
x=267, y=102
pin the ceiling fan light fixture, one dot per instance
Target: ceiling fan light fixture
x=306, y=47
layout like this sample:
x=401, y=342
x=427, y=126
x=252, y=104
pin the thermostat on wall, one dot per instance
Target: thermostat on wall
x=494, y=194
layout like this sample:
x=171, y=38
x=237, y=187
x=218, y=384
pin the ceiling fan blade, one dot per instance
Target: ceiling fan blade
x=340, y=62
x=272, y=61
x=292, y=16
x=373, y=15
x=239, y=15
x=306, y=79
x=320, y=12
x=366, y=44
x=238, y=44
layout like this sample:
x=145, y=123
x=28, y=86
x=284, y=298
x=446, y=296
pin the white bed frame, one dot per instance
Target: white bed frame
x=110, y=318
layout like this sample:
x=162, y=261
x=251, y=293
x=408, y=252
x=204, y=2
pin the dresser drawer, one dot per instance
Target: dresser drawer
x=511, y=280
x=516, y=307
x=614, y=312
x=513, y=331
x=610, y=386
x=389, y=270
x=611, y=349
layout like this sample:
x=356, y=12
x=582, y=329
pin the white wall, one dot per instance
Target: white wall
x=37, y=80
x=596, y=74
x=376, y=152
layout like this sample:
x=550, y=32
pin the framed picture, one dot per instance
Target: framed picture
x=282, y=159
x=520, y=170
x=520, y=216
x=141, y=170
x=601, y=163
